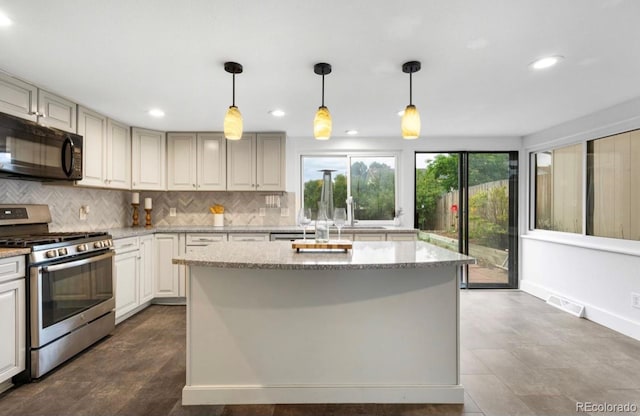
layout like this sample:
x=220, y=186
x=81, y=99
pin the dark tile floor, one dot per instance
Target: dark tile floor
x=518, y=357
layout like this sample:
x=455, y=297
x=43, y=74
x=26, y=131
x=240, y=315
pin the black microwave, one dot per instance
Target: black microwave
x=31, y=151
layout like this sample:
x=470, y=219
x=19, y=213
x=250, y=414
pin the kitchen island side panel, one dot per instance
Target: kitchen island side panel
x=322, y=336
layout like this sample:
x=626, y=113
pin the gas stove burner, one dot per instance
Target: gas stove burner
x=47, y=238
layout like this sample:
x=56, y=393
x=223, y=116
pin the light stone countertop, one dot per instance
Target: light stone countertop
x=12, y=252
x=133, y=232
x=364, y=255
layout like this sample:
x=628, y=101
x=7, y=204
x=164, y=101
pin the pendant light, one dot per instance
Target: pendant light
x=322, y=121
x=411, y=117
x=233, y=119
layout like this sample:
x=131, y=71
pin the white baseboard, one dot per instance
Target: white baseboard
x=209, y=395
x=593, y=313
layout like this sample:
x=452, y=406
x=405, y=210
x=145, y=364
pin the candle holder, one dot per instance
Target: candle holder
x=135, y=215
x=148, y=218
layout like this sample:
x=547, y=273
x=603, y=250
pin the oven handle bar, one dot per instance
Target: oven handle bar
x=57, y=267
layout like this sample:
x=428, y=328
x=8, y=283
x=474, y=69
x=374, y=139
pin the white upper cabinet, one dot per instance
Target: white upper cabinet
x=148, y=159
x=196, y=161
x=212, y=162
x=256, y=162
x=270, y=162
x=55, y=111
x=24, y=100
x=107, y=151
x=93, y=128
x=18, y=98
x=181, y=169
x=118, y=155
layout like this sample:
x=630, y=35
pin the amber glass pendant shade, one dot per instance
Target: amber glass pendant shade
x=411, y=123
x=322, y=124
x=233, y=124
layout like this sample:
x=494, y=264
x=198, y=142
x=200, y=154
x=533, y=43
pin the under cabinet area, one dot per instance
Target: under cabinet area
x=256, y=162
x=12, y=317
x=133, y=275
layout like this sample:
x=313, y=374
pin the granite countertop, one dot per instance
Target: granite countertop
x=364, y=255
x=11, y=252
x=132, y=232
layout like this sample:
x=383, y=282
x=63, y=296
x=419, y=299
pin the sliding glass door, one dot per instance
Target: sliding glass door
x=467, y=202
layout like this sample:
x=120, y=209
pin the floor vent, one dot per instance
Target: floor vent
x=573, y=308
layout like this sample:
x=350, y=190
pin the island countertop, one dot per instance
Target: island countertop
x=364, y=255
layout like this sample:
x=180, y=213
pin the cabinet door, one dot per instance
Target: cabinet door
x=126, y=282
x=146, y=258
x=12, y=328
x=270, y=162
x=241, y=163
x=181, y=156
x=55, y=111
x=18, y=98
x=167, y=273
x=212, y=162
x=148, y=159
x=93, y=128
x=118, y=156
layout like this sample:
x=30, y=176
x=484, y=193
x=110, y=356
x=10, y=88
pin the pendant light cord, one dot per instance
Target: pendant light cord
x=410, y=88
x=323, y=90
x=234, y=91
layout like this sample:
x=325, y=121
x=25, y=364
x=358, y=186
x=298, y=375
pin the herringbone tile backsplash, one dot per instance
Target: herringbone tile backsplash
x=112, y=209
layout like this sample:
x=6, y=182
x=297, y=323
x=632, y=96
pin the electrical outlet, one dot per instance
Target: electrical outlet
x=284, y=212
x=263, y=212
x=172, y=212
x=635, y=300
x=84, y=210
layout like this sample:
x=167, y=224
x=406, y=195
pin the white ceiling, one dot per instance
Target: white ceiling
x=123, y=57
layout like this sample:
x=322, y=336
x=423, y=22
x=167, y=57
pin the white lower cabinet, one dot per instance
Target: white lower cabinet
x=12, y=317
x=134, y=275
x=170, y=278
x=248, y=236
x=196, y=242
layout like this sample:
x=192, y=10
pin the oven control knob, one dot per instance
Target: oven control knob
x=62, y=252
x=97, y=244
x=51, y=254
x=82, y=247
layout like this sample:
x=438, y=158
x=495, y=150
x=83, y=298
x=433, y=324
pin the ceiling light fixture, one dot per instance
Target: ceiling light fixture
x=233, y=119
x=4, y=20
x=156, y=112
x=546, y=62
x=351, y=132
x=411, y=118
x=322, y=121
x=277, y=113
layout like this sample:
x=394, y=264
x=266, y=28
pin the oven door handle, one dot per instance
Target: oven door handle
x=57, y=267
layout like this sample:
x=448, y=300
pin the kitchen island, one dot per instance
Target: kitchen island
x=377, y=324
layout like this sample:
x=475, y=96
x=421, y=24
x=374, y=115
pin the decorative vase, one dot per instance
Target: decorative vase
x=218, y=220
x=322, y=224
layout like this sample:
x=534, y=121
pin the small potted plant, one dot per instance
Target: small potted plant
x=218, y=215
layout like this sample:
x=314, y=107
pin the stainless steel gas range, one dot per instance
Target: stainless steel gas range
x=70, y=286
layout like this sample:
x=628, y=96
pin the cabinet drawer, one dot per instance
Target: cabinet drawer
x=401, y=237
x=370, y=237
x=124, y=245
x=11, y=268
x=248, y=237
x=198, y=239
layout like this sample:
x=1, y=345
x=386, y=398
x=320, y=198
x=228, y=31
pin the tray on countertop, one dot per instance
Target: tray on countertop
x=312, y=245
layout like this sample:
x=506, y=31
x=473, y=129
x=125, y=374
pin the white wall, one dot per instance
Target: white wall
x=297, y=146
x=599, y=273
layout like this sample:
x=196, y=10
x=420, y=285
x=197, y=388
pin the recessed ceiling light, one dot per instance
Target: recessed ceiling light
x=546, y=62
x=4, y=20
x=277, y=113
x=351, y=132
x=156, y=112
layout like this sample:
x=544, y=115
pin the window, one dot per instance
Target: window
x=558, y=189
x=369, y=179
x=613, y=186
